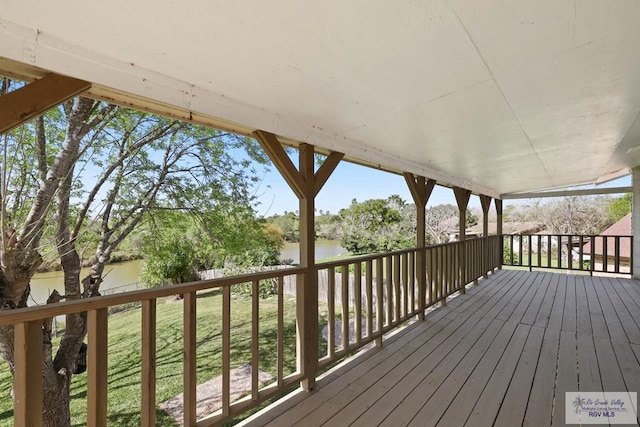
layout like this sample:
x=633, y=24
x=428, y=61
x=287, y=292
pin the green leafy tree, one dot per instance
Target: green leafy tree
x=171, y=258
x=620, y=206
x=82, y=178
x=289, y=224
x=377, y=225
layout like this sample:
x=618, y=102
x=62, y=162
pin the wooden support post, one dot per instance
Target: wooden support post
x=305, y=184
x=498, y=203
x=485, y=201
x=420, y=191
x=307, y=292
x=635, y=224
x=34, y=99
x=462, y=198
x=28, y=374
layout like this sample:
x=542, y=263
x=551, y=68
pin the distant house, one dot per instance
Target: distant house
x=620, y=228
x=510, y=228
x=507, y=228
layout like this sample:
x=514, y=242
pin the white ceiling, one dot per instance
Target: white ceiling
x=498, y=96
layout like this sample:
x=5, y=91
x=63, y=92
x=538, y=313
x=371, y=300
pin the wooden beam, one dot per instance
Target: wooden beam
x=281, y=160
x=485, y=201
x=462, y=197
x=567, y=193
x=28, y=374
x=419, y=188
x=412, y=183
x=34, y=99
x=326, y=169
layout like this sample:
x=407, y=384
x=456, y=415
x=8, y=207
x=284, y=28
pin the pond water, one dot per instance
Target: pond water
x=324, y=249
x=126, y=274
x=116, y=275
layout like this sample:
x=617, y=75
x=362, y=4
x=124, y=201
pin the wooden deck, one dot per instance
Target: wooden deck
x=501, y=355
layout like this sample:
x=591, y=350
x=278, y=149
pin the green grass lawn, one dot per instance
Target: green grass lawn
x=125, y=354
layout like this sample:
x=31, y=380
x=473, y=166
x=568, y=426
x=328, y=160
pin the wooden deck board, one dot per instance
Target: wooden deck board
x=569, y=322
x=516, y=400
x=628, y=323
x=582, y=309
x=540, y=406
x=440, y=400
x=544, y=313
x=503, y=354
x=487, y=407
x=616, y=331
x=598, y=324
x=458, y=412
x=531, y=314
x=566, y=375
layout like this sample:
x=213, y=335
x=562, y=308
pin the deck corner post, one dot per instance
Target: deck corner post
x=635, y=223
x=498, y=203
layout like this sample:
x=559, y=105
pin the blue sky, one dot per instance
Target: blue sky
x=351, y=181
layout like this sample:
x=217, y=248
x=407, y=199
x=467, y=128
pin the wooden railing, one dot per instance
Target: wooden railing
x=370, y=295
x=366, y=296
x=600, y=254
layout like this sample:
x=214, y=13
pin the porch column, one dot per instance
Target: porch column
x=306, y=185
x=499, y=229
x=485, y=201
x=420, y=192
x=635, y=222
x=34, y=99
x=462, y=198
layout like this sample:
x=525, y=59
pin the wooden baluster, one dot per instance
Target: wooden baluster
x=226, y=349
x=97, y=351
x=357, y=297
x=280, y=338
x=189, y=358
x=255, y=335
x=345, y=307
x=369, y=290
x=148, y=363
x=379, y=301
x=27, y=385
x=331, y=301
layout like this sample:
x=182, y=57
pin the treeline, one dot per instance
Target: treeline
x=376, y=225
x=380, y=225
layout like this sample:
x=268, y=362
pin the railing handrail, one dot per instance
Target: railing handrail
x=567, y=235
x=28, y=314
x=365, y=258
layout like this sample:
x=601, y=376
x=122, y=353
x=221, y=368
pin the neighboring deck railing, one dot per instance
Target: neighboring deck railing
x=367, y=296
x=599, y=254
